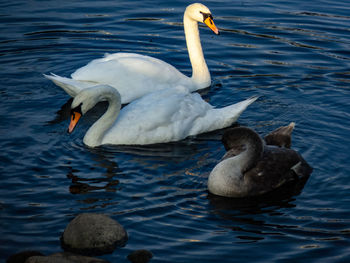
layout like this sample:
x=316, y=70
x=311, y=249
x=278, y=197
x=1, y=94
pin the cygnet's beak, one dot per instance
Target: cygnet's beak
x=210, y=23
x=75, y=116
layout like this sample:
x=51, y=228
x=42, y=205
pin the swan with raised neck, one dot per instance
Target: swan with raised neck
x=251, y=168
x=197, y=13
x=135, y=75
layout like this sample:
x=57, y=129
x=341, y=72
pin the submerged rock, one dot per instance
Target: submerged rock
x=21, y=257
x=64, y=257
x=93, y=234
x=140, y=256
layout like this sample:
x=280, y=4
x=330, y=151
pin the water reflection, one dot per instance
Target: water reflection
x=98, y=191
x=278, y=198
x=246, y=216
x=82, y=185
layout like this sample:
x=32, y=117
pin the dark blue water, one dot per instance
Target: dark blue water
x=294, y=54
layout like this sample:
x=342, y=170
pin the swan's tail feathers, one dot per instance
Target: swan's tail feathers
x=231, y=113
x=71, y=86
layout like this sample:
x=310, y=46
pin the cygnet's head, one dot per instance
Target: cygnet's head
x=236, y=138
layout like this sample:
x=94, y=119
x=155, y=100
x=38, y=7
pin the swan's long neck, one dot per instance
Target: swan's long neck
x=200, y=72
x=95, y=134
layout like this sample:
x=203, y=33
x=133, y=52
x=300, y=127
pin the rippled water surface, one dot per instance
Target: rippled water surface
x=293, y=54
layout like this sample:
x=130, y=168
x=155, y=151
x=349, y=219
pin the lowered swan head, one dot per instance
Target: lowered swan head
x=227, y=177
x=86, y=100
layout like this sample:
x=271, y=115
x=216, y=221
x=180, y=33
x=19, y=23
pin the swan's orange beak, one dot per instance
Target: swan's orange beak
x=210, y=23
x=75, y=116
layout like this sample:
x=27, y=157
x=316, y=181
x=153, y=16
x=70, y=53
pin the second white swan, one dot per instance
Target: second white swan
x=164, y=116
x=135, y=75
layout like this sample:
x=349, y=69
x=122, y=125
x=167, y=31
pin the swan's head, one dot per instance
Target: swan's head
x=201, y=13
x=87, y=99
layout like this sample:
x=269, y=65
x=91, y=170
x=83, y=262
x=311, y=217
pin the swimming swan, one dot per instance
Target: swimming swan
x=135, y=75
x=163, y=116
x=251, y=168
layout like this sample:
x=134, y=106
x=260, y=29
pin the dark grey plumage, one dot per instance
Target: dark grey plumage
x=267, y=166
x=281, y=137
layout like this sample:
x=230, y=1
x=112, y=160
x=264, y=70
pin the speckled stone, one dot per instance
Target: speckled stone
x=93, y=234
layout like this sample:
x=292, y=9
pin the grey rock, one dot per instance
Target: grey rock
x=93, y=234
x=64, y=257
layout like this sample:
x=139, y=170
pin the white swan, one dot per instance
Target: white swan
x=163, y=116
x=251, y=168
x=135, y=75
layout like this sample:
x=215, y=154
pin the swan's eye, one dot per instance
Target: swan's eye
x=76, y=110
x=75, y=116
x=206, y=16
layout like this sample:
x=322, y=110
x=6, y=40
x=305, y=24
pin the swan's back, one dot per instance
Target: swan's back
x=132, y=74
x=168, y=115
